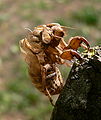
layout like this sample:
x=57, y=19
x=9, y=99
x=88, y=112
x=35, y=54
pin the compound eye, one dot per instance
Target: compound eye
x=58, y=33
x=61, y=34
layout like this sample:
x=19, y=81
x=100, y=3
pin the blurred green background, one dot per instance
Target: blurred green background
x=19, y=100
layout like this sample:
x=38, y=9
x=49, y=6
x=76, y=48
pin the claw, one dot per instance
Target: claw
x=76, y=42
x=49, y=96
x=70, y=54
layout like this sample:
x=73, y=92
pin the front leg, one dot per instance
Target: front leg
x=50, y=97
x=44, y=70
x=62, y=44
x=70, y=54
x=76, y=42
x=44, y=73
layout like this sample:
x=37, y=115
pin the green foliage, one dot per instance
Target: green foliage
x=62, y=1
x=4, y=17
x=37, y=113
x=4, y=101
x=14, y=49
x=61, y=21
x=38, y=21
x=87, y=15
x=1, y=42
x=3, y=6
x=20, y=95
x=27, y=5
x=44, y=5
x=25, y=91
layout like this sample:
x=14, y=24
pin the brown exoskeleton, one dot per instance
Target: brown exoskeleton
x=43, y=49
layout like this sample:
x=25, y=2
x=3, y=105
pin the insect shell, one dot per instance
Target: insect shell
x=41, y=52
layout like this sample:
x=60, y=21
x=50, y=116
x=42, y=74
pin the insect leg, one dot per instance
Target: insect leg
x=50, y=97
x=43, y=73
x=76, y=42
x=69, y=54
x=62, y=44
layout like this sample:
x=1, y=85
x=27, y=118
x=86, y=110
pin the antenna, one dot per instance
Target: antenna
x=65, y=27
x=28, y=30
x=71, y=28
